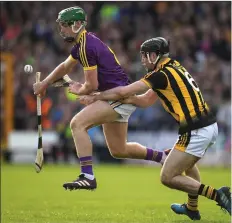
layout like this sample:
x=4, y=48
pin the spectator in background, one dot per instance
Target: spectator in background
x=224, y=112
x=224, y=123
x=224, y=117
x=204, y=51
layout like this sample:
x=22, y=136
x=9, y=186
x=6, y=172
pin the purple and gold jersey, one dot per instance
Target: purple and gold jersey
x=92, y=53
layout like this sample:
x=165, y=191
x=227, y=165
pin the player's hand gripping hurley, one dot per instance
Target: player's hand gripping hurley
x=39, y=156
x=62, y=82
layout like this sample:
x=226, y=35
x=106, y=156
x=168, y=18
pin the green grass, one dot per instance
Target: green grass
x=125, y=194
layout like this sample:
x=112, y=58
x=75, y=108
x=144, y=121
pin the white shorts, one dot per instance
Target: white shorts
x=197, y=141
x=124, y=110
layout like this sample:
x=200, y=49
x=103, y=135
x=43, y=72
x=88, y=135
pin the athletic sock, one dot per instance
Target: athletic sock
x=86, y=165
x=154, y=155
x=209, y=192
x=89, y=176
x=192, y=204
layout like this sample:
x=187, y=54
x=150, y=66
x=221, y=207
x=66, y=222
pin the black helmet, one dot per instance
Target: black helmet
x=158, y=45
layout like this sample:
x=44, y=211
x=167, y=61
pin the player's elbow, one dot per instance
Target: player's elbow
x=95, y=86
x=146, y=100
x=123, y=93
x=147, y=103
x=120, y=94
x=91, y=86
x=143, y=105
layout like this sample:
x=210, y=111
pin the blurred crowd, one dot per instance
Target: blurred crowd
x=199, y=34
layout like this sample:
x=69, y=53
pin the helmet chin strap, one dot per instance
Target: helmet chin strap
x=78, y=30
x=72, y=39
x=157, y=59
x=149, y=60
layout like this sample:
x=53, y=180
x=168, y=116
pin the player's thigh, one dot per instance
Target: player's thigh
x=177, y=162
x=198, y=141
x=115, y=135
x=94, y=114
x=189, y=148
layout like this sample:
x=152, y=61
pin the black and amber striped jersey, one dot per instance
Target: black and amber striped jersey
x=180, y=95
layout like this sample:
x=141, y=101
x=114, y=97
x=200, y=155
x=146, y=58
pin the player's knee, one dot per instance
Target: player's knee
x=165, y=179
x=77, y=123
x=118, y=154
x=73, y=123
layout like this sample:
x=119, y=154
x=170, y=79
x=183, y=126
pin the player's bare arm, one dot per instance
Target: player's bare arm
x=62, y=69
x=90, y=85
x=117, y=93
x=137, y=87
x=144, y=100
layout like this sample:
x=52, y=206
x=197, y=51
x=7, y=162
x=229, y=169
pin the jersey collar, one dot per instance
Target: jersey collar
x=161, y=64
x=80, y=36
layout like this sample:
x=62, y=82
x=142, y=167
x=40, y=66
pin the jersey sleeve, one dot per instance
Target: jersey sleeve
x=88, y=56
x=74, y=53
x=156, y=80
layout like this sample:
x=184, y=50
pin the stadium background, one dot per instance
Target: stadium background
x=200, y=36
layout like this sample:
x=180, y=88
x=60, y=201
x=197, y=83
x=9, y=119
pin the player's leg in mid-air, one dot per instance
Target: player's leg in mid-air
x=187, y=151
x=98, y=113
x=116, y=139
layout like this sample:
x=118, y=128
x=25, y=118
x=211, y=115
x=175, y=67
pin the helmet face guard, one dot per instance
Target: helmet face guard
x=63, y=34
x=146, y=55
x=67, y=36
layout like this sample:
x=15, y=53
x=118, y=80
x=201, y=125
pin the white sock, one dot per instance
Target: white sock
x=88, y=176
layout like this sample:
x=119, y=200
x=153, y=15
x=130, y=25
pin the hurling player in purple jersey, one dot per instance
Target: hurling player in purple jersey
x=102, y=71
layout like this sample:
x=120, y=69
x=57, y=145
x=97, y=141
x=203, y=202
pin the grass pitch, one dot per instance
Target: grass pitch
x=125, y=194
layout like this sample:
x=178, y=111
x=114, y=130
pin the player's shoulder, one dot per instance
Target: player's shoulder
x=92, y=38
x=92, y=41
x=157, y=79
x=92, y=35
x=148, y=74
x=155, y=75
x=173, y=63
